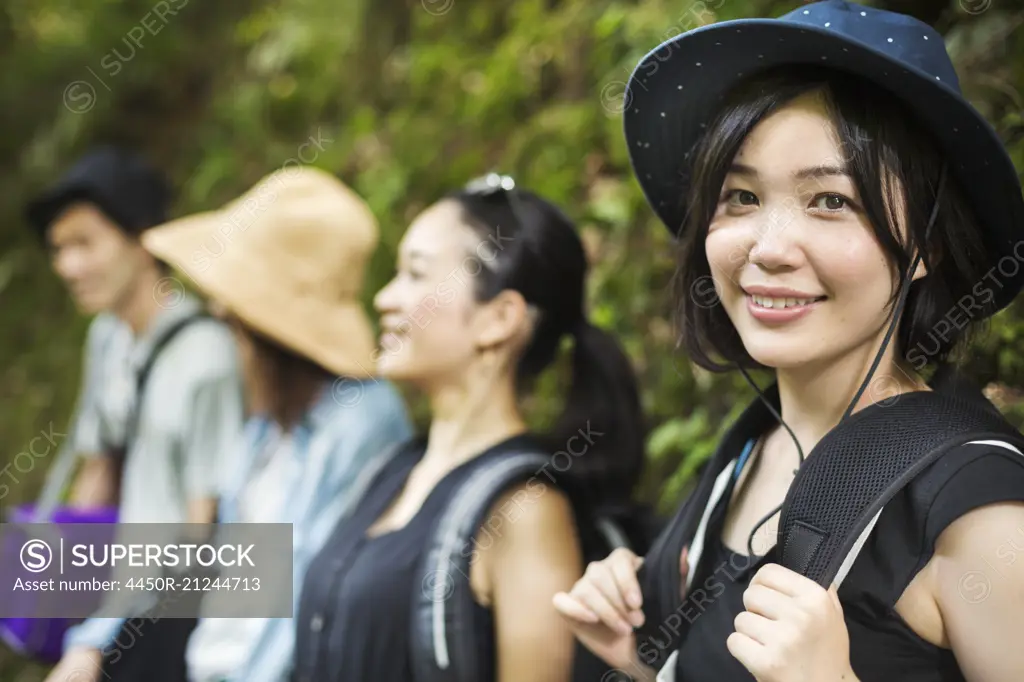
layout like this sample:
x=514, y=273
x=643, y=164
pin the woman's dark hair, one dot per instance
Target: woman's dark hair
x=288, y=382
x=529, y=246
x=881, y=142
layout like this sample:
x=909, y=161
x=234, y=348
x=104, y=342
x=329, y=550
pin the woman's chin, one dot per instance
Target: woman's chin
x=779, y=358
x=394, y=368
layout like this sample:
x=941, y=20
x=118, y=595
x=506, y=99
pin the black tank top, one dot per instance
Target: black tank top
x=356, y=604
x=882, y=646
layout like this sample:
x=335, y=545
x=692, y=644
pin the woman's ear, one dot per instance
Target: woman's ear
x=920, y=272
x=501, y=319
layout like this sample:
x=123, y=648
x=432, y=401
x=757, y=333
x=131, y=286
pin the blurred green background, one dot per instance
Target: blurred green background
x=404, y=99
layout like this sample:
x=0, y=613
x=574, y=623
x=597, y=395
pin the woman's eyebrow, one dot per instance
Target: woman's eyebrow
x=417, y=254
x=812, y=172
x=741, y=169
x=821, y=172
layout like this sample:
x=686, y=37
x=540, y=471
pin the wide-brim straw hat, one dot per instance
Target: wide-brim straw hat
x=287, y=258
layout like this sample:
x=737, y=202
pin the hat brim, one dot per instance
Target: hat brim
x=338, y=336
x=670, y=100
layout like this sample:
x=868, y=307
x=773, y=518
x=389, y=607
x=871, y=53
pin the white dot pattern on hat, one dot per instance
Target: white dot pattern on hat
x=926, y=37
x=679, y=87
x=827, y=24
x=807, y=11
x=698, y=63
x=663, y=114
x=863, y=14
x=889, y=39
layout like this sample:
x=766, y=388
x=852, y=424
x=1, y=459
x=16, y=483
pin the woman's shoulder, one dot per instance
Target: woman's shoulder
x=965, y=478
x=958, y=484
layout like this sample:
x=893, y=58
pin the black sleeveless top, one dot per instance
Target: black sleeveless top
x=355, y=610
x=882, y=646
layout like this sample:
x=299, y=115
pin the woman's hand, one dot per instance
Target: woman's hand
x=604, y=606
x=792, y=630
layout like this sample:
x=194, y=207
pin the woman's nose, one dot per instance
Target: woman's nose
x=774, y=240
x=382, y=300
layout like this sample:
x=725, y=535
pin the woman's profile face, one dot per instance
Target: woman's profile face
x=794, y=259
x=430, y=320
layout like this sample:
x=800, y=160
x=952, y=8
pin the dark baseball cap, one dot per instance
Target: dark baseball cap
x=131, y=192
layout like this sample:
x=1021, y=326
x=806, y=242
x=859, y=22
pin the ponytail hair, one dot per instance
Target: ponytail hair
x=603, y=411
x=598, y=440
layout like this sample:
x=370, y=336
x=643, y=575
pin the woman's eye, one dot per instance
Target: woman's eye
x=741, y=197
x=830, y=202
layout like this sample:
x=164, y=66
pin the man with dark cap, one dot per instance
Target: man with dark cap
x=158, y=459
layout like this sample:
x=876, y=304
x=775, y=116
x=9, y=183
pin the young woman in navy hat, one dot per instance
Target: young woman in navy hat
x=846, y=219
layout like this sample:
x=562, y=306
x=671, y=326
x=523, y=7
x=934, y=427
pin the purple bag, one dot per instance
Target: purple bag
x=43, y=638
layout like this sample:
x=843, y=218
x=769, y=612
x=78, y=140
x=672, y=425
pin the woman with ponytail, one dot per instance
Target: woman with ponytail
x=490, y=282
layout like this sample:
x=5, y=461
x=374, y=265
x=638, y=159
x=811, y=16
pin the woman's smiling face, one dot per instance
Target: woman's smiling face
x=794, y=259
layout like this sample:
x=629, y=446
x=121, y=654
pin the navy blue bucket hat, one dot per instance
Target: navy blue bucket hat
x=120, y=182
x=676, y=89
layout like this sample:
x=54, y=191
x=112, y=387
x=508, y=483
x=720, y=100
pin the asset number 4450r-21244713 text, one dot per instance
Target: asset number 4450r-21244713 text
x=194, y=584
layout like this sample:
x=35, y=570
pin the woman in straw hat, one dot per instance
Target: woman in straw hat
x=833, y=192
x=284, y=265
x=490, y=282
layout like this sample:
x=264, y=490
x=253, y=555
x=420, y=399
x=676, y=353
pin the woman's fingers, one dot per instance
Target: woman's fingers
x=595, y=599
x=766, y=602
x=569, y=606
x=602, y=575
x=754, y=626
x=623, y=567
x=684, y=571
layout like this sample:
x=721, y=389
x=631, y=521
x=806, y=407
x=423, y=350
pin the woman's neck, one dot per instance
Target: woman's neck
x=469, y=417
x=814, y=398
x=286, y=405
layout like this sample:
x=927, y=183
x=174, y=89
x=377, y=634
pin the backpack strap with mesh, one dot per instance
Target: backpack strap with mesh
x=834, y=502
x=871, y=457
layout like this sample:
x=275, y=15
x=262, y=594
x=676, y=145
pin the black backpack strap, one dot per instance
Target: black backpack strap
x=119, y=451
x=664, y=628
x=871, y=456
x=444, y=627
x=142, y=377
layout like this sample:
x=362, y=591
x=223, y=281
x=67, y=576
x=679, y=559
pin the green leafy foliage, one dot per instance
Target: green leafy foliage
x=403, y=100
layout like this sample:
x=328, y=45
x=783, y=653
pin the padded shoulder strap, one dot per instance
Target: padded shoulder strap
x=664, y=628
x=444, y=623
x=853, y=472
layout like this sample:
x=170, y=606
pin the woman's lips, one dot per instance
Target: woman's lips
x=761, y=311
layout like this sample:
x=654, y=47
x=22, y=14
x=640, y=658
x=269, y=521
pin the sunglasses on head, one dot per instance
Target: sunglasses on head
x=492, y=183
